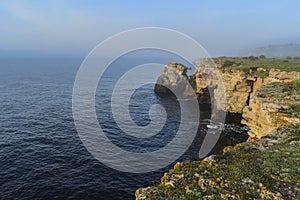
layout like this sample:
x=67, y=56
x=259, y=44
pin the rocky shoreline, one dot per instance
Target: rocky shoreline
x=265, y=93
x=243, y=91
x=266, y=168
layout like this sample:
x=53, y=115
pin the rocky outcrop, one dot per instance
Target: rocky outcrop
x=272, y=106
x=174, y=80
x=260, y=115
x=240, y=86
x=257, y=117
x=257, y=169
x=282, y=76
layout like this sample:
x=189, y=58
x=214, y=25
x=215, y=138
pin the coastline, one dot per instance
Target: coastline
x=265, y=168
x=268, y=102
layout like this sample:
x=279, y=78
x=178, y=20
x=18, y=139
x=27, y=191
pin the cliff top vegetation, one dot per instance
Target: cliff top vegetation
x=267, y=168
x=253, y=63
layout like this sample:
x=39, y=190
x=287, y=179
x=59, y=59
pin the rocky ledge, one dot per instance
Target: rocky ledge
x=267, y=168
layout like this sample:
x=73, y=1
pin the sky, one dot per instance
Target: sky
x=72, y=28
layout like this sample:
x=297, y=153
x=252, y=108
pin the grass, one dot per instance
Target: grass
x=277, y=167
x=293, y=111
x=278, y=91
x=246, y=64
x=285, y=94
x=261, y=73
x=252, y=170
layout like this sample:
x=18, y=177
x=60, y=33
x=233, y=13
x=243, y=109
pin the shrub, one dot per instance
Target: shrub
x=261, y=73
x=296, y=85
x=228, y=63
x=262, y=56
x=253, y=58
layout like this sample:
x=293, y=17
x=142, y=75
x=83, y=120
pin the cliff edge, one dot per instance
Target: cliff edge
x=243, y=80
x=266, y=93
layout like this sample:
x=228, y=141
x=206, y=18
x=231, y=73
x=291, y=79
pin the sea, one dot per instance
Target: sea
x=41, y=153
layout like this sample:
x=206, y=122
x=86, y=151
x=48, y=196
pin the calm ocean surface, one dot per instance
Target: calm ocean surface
x=41, y=155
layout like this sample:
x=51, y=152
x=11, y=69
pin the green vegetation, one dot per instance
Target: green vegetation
x=261, y=73
x=267, y=168
x=253, y=63
x=228, y=63
x=295, y=86
x=293, y=111
x=286, y=93
x=281, y=91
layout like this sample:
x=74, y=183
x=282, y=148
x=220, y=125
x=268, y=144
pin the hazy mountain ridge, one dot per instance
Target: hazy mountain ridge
x=279, y=51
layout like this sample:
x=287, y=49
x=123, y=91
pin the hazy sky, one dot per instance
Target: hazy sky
x=32, y=28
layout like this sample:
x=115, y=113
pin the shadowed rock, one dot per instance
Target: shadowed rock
x=174, y=78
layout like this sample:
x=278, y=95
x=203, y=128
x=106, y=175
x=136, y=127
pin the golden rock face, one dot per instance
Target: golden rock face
x=241, y=91
x=241, y=88
x=273, y=105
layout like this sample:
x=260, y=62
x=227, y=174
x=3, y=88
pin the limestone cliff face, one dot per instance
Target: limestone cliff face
x=267, y=104
x=260, y=115
x=269, y=110
x=257, y=117
x=240, y=87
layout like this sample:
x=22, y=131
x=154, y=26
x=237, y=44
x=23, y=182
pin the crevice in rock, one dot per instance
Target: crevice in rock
x=251, y=84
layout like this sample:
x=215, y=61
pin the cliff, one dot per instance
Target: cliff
x=266, y=93
x=174, y=80
x=266, y=168
x=273, y=106
x=241, y=78
x=258, y=113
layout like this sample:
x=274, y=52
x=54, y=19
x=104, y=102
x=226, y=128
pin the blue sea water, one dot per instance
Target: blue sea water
x=41, y=155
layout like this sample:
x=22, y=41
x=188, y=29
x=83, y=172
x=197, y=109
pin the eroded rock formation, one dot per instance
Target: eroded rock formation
x=271, y=107
x=240, y=91
x=174, y=78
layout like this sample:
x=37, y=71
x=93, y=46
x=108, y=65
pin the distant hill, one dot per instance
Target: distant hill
x=273, y=51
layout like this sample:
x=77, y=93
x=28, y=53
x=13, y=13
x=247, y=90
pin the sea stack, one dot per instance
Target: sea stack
x=174, y=78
